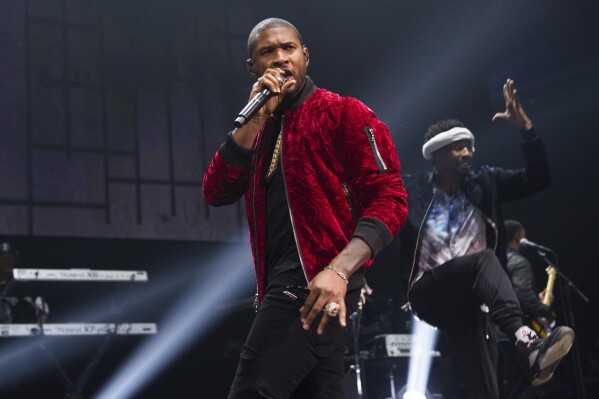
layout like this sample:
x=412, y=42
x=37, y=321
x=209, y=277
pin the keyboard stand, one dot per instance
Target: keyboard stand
x=24, y=281
x=74, y=390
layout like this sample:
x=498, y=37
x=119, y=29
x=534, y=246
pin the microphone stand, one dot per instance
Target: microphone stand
x=355, y=320
x=565, y=291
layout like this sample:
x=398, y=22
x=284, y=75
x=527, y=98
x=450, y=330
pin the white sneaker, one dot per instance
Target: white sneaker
x=541, y=356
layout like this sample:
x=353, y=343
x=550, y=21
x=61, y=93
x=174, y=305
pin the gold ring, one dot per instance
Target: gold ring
x=332, y=309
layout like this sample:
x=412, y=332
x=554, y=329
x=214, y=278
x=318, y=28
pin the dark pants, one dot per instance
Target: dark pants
x=450, y=296
x=281, y=360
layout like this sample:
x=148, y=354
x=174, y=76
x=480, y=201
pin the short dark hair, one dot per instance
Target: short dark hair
x=440, y=127
x=269, y=23
x=512, y=228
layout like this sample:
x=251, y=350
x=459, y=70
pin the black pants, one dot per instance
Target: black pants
x=281, y=360
x=450, y=297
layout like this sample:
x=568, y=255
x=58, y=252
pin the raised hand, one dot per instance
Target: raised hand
x=514, y=113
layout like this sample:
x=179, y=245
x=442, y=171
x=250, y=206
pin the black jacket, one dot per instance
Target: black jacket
x=485, y=187
x=520, y=272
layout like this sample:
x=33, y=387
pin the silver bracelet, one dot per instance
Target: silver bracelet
x=338, y=273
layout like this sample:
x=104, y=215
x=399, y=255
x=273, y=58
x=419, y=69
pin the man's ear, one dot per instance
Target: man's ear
x=306, y=54
x=250, y=65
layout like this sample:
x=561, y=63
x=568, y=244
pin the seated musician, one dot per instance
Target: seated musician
x=14, y=309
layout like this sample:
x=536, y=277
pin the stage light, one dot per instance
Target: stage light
x=19, y=348
x=403, y=394
x=413, y=395
x=223, y=280
x=406, y=88
x=424, y=339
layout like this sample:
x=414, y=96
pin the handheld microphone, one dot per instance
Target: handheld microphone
x=524, y=242
x=252, y=107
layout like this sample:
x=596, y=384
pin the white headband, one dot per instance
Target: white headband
x=444, y=138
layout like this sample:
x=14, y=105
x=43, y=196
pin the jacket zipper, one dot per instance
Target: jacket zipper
x=408, y=305
x=375, y=149
x=257, y=151
x=348, y=199
x=488, y=220
x=492, y=223
x=299, y=251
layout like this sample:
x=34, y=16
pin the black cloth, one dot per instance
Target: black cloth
x=461, y=286
x=16, y=309
x=450, y=297
x=281, y=255
x=521, y=275
x=281, y=360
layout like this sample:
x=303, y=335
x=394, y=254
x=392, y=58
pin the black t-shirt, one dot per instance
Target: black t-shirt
x=283, y=265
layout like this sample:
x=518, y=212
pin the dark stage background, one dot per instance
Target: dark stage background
x=111, y=110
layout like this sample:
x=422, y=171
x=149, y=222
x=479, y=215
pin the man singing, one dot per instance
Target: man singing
x=320, y=175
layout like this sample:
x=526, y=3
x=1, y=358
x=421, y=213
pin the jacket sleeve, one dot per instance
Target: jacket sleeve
x=514, y=184
x=522, y=280
x=372, y=165
x=227, y=177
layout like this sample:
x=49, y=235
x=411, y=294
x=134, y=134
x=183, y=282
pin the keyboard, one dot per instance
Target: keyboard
x=66, y=329
x=79, y=275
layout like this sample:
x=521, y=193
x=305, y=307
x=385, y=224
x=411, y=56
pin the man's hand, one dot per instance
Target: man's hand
x=514, y=113
x=274, y=80
x=325, y=287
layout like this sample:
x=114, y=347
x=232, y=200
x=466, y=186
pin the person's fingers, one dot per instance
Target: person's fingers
x=342, y=314
x=271, y=81
x=311, y=307
x=312, y=313
x=510, y=90
x=506, y=95
x=500, y=115
x=287, y=86
x=516, y=99
x=323, y=322
x=308, y=304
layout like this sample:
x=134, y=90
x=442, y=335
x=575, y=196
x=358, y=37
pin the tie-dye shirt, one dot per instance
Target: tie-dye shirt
x=452, y=228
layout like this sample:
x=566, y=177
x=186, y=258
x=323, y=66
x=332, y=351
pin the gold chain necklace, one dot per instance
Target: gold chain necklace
x=275, y=157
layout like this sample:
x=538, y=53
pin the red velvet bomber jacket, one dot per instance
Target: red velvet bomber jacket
x=341, y=173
